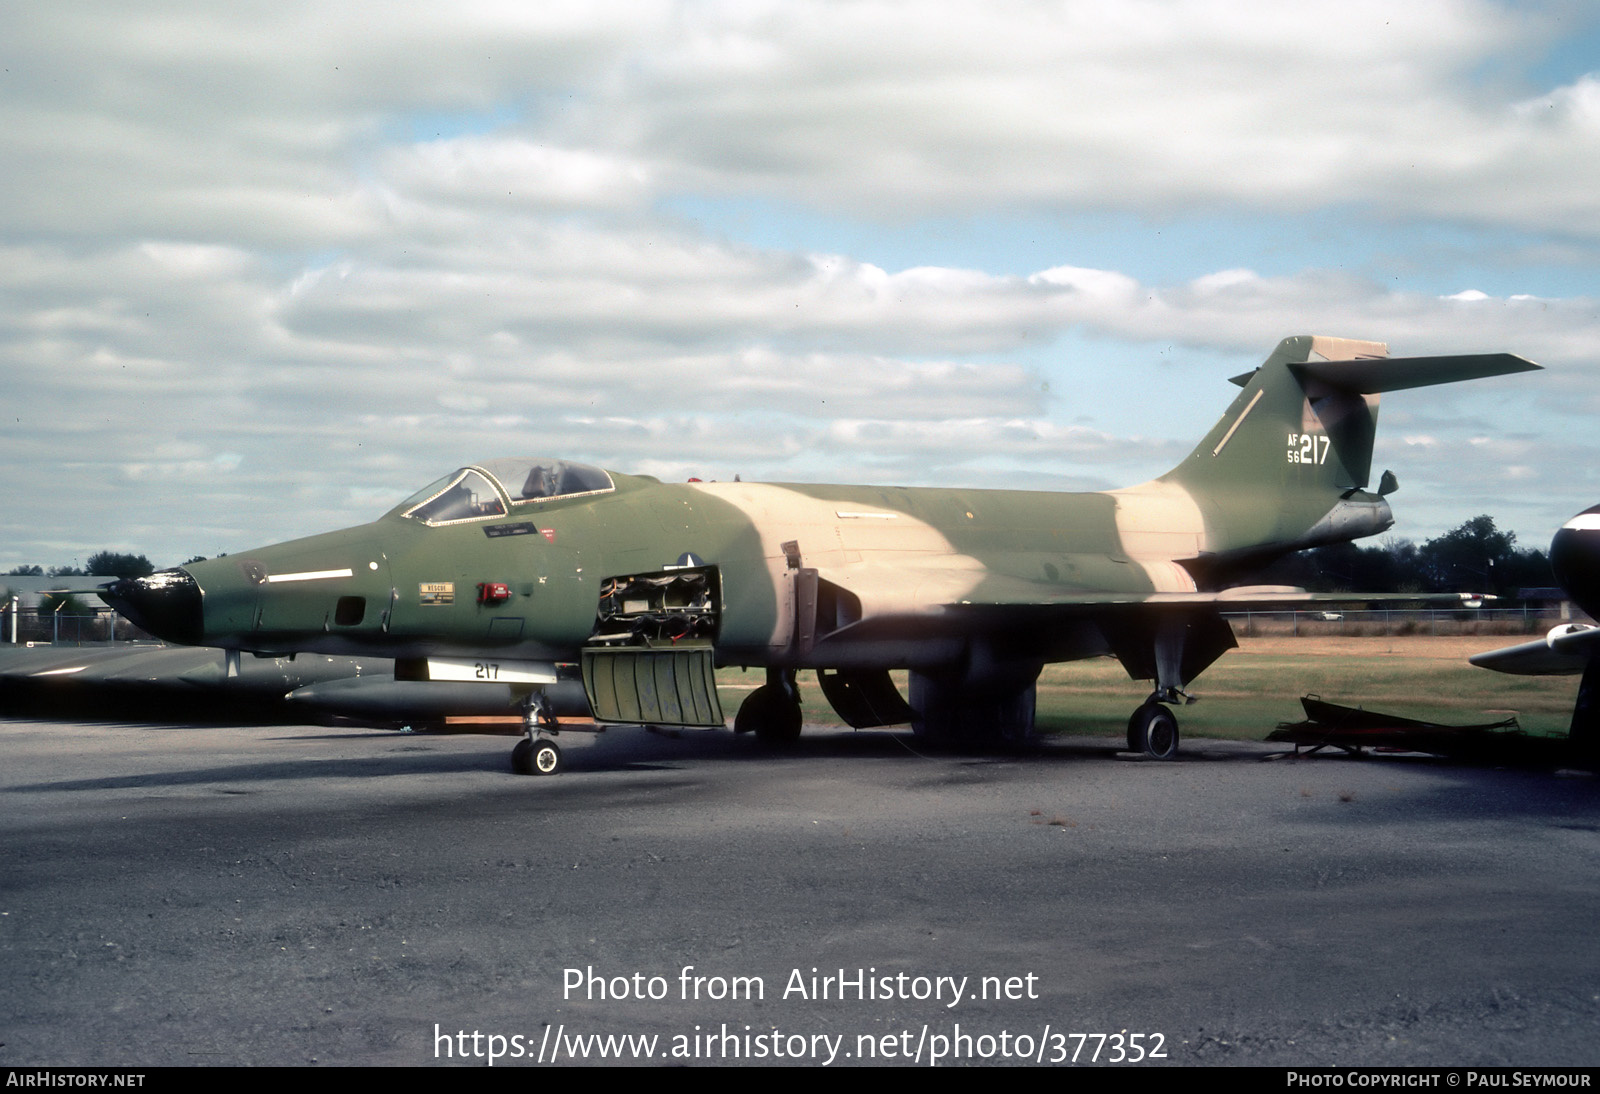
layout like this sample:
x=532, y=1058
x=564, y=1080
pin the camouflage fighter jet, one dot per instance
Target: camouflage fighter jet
x=501, y=571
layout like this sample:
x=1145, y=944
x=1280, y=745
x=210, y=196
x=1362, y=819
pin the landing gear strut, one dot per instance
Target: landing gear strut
x=536, y=754
x=1172, y=649
x=772, y=711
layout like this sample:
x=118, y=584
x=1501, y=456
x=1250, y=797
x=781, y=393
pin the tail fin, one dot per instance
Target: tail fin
x=1288, y=464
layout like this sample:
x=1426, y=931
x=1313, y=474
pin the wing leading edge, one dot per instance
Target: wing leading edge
x=1565, y=651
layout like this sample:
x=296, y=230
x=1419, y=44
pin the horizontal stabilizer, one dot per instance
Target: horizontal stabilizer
x=1565, y=651
x=1370, y=376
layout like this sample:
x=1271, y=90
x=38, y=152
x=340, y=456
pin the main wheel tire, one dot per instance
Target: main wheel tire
x=546, y=758
x=1153, y=730
x=530, y=758
x=767, y=713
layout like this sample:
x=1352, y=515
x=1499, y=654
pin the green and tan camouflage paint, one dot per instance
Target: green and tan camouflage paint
x=917, y=571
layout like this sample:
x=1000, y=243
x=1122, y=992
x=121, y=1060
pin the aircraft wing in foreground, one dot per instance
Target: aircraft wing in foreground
x=503, y=570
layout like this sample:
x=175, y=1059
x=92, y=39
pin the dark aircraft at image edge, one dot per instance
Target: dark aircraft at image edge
x=505, y=574
x=1571, y=648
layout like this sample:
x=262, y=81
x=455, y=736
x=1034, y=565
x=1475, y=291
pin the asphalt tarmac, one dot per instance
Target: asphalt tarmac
x=271, y=895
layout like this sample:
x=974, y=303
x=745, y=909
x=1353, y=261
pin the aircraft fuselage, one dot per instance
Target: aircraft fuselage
x=502, y=571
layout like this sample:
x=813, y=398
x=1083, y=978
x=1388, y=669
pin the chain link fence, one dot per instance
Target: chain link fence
x=1376, y=622
x=24, y=626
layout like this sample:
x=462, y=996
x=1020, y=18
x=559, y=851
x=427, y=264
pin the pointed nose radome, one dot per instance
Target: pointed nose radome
x=1575, y=558
x=166, y=604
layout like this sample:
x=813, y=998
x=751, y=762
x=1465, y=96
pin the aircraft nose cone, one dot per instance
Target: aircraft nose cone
x=1575, y=557
x=167, y=604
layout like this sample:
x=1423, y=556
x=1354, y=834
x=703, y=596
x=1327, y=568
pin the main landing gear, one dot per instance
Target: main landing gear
x=536, y=754
x=772, y=711
x=1171, y=648
x=1153, y=730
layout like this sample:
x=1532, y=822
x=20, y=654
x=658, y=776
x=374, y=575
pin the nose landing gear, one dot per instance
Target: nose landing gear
x=536, y=754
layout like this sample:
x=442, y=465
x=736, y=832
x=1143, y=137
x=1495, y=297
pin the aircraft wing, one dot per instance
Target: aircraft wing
x=940, y=600
x=1565, y=651
x=78, y=590
x=1265, y=597
x=1170, y=637
x=928, y=589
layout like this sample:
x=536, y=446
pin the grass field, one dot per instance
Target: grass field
x=1253, y=688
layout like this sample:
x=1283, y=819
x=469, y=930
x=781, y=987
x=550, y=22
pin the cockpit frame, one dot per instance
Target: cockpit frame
x=480, y=492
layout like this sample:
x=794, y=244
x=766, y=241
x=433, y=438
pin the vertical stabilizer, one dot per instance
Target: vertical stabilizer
x=1288, y=463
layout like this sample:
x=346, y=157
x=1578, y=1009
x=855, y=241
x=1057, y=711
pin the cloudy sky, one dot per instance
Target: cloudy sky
x=270, y=267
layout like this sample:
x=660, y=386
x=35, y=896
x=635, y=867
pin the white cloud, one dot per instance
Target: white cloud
x=517, y=175
x=259, y=265
x=173, y=118
x=1576, y=105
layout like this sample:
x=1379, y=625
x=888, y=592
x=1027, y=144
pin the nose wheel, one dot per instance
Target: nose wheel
x=538, y=757
x=536, y=754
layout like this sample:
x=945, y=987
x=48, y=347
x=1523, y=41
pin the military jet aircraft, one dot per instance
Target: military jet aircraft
x=1570, y=648
x=502, y=571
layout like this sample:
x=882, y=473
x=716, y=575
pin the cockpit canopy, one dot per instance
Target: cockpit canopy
x=489, y=488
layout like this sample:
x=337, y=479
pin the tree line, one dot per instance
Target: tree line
x=1474, y=557
x=100, y=564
